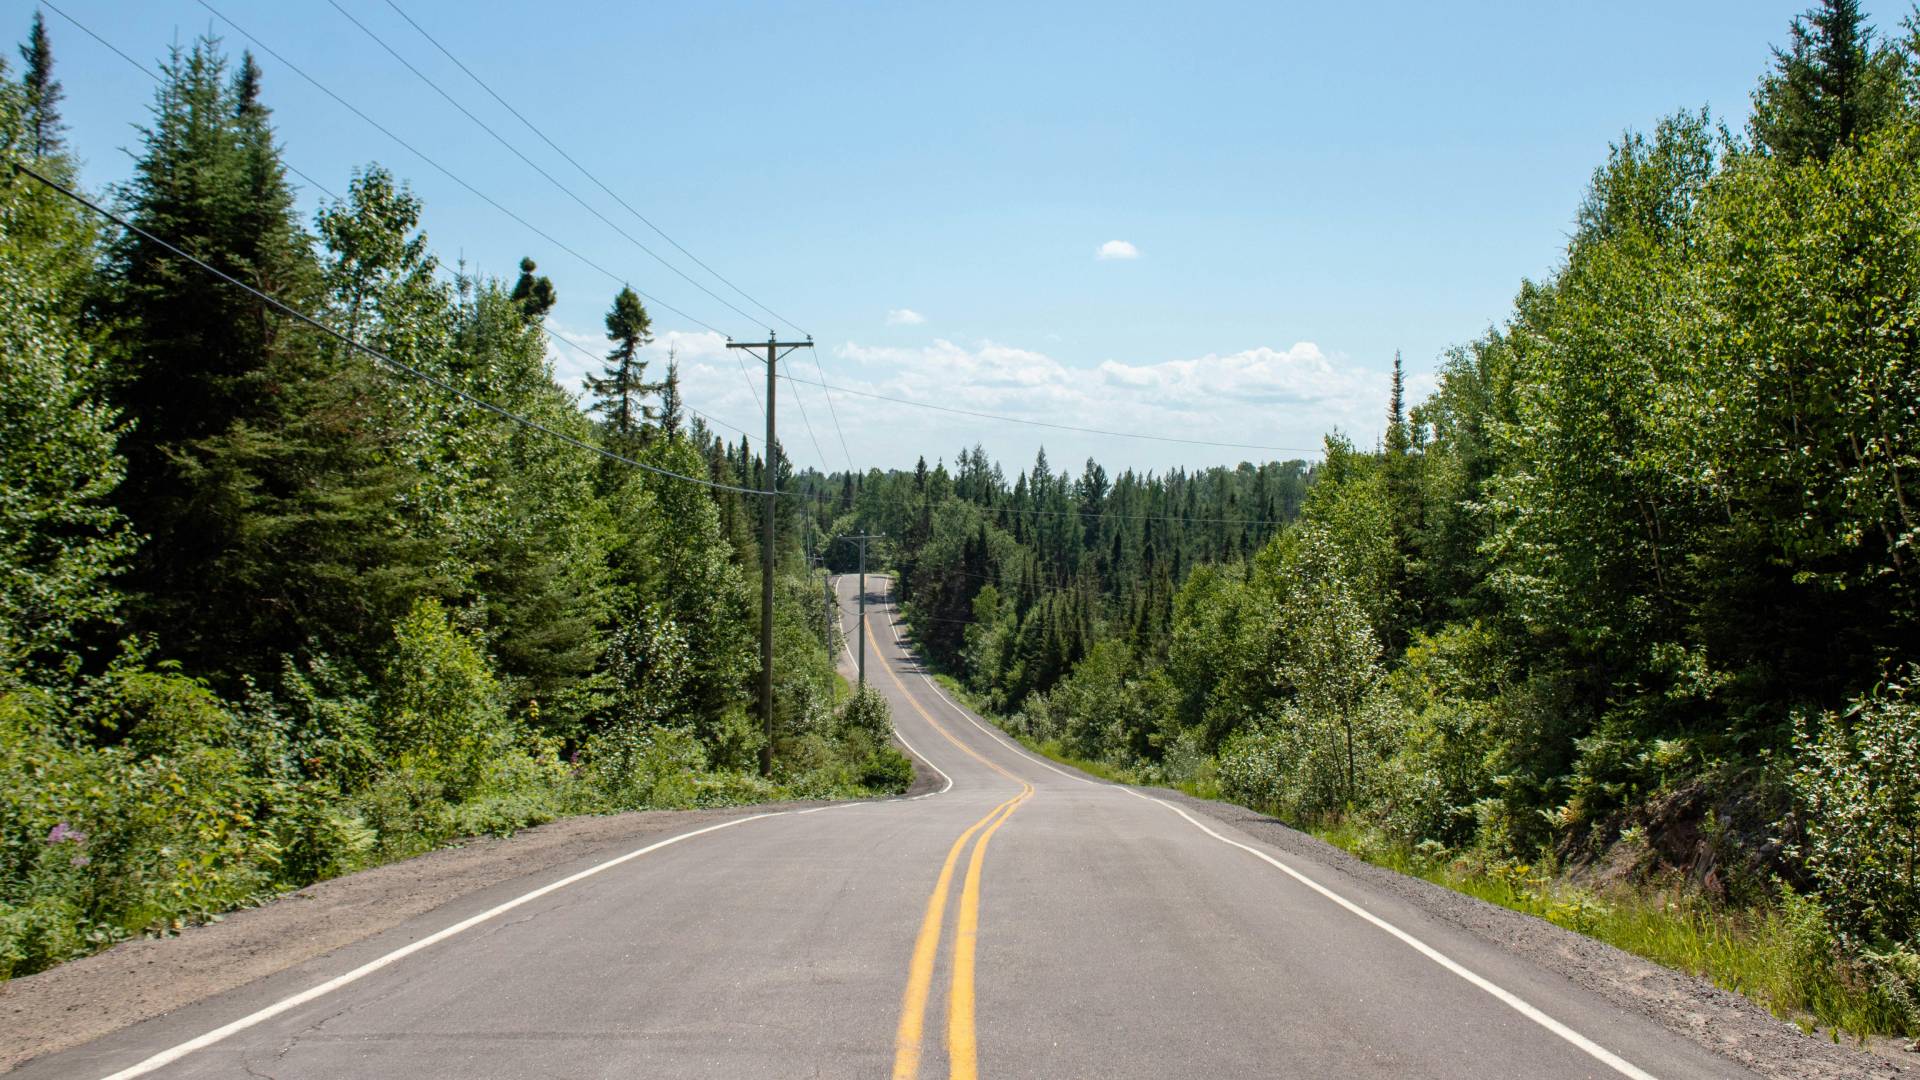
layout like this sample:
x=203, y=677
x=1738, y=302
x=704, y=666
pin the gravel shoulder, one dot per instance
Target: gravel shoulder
x=137, y=980
x=1730, y=1025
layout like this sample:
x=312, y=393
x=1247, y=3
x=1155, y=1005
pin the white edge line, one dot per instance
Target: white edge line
x=1515, y=1002
x=999, y=736
x=848, y=649
x=169, y=1056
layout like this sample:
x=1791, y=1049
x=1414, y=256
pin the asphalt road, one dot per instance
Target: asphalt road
x=1017, y=920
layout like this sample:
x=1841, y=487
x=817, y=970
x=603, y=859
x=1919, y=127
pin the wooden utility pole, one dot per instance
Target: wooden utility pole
x=863, y=538
x=768, y=495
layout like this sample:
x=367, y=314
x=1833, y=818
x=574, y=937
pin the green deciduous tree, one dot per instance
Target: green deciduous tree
x=61, y=540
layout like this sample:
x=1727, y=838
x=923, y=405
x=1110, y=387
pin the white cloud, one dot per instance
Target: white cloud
x=1287, y=398
x=1284, y=398
x=905, y=317
x=1117, y=249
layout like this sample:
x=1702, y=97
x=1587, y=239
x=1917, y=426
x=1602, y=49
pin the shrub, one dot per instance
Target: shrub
x=1857, y=779
x=441, y=716
x=867, y=711
x=96, y=844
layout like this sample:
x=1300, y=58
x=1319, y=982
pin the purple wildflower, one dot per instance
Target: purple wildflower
x=64, y=833
x=80, y=860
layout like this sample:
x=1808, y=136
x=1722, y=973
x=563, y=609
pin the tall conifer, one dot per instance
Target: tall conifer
x=42, y=115
x=621, y=387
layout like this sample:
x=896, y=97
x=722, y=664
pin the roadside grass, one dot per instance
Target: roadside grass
x=1050, y=749
x=1779, y=953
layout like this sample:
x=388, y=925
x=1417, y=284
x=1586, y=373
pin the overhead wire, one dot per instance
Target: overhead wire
x=397, y=365
x=590, y=354
x=155, y=76
x=448, y=173
x=530, y=163
x=584, y=171
x=514, y=417
x=802, y=404
x=833, y=412
x=323, y=189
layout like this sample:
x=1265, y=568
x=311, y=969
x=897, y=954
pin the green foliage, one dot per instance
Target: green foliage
x=60, y=538
x=440, y=710
x=270, y=613
x=102, y=843
x=1662, y=510
x=1832, y=85
x=1857, y=780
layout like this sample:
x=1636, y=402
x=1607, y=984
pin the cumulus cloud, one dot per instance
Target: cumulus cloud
x=1287, y=398
x=1284, y=398
x=904, y=317
x=1117, y=249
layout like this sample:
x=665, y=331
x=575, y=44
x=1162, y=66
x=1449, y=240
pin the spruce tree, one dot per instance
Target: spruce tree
x=1402, y=511
x=672, y=410
x=621, y=387
x=43, y=93
x=209, y=376
x=1828, y=88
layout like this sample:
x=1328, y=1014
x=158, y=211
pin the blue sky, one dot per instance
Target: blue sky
x=926, y=188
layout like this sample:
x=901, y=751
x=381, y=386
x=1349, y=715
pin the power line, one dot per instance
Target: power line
x=323, y=189
x=751, y=389
x=802, y=404
x=444, y=51
x=1050, y=424
x=448, y=173
x=833, y=412
x=405, y=368
x=151, y=74
x=589, y=353
x=530, y=163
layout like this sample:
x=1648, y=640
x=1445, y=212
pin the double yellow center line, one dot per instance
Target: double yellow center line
x=962, y=1042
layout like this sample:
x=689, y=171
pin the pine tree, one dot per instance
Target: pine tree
x=42, y=117
x=1829, y=87
x=234, y=430
x=1402, y=510
x=621, y=388
x=672, y=410
x=535, y=295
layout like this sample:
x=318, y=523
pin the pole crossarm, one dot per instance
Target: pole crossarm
x=787, y=345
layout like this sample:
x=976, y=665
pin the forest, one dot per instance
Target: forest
x=1623, y=620
x=273, y=609
x=1619, y=625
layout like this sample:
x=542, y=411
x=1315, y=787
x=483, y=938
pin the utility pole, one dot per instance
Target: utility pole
x=863, y=538
x=768, y=495
x=830, y=614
